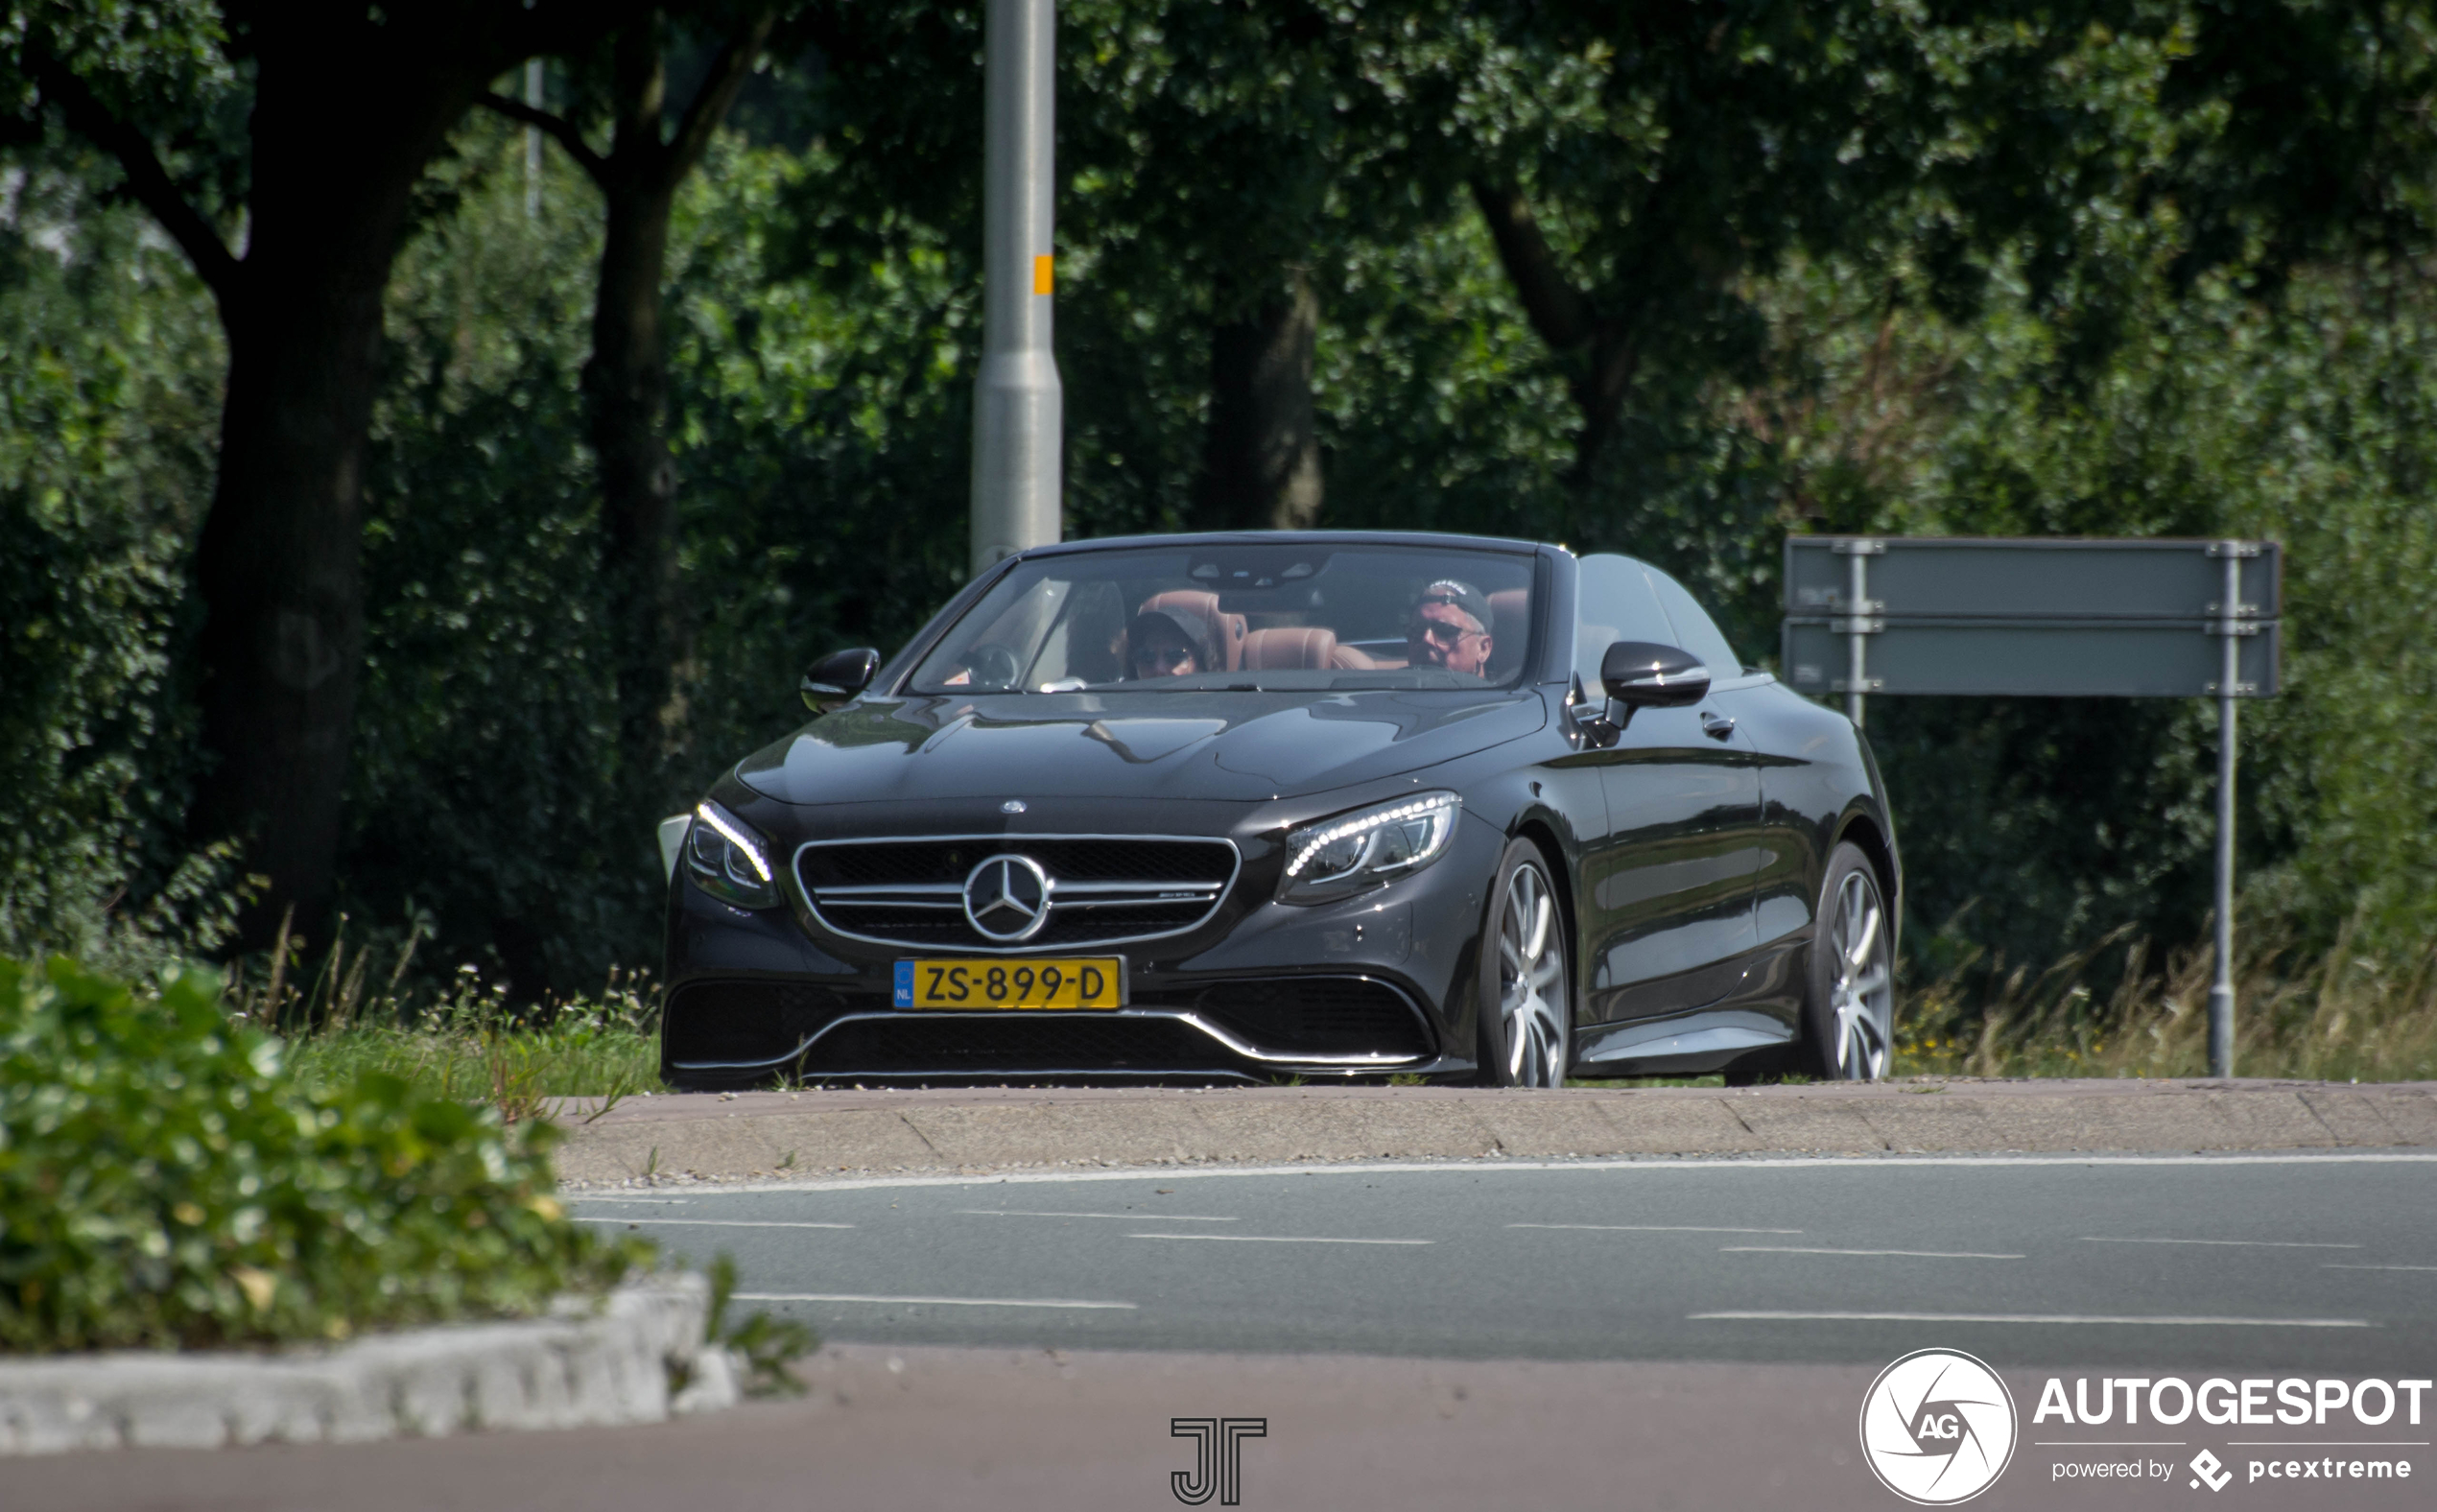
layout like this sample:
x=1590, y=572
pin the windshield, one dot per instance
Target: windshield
x=1244, y=616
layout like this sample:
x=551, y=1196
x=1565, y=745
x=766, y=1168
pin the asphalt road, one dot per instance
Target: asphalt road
x=2315, y=1262
x=1653, y=1334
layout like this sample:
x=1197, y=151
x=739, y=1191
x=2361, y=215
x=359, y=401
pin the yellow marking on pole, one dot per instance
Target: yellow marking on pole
x=1044, y=273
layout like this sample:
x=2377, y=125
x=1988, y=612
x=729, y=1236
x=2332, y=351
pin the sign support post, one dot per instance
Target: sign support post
x=2230, y=625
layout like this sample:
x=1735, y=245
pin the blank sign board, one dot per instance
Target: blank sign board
x=2056, y=618
x=2032, y=658
x=1988, y=578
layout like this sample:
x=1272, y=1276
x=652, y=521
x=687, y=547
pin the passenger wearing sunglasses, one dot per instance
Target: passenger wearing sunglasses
x=1451, y=627
x=1157, y=645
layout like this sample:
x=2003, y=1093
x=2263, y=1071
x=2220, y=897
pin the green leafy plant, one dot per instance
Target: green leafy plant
x=765, y=1345
x=167, y=1181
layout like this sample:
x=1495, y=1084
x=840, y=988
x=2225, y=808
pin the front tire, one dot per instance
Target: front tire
x=1849, y=1004
x=1524, y=983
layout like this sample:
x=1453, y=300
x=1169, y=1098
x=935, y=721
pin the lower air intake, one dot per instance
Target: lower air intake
x=1318, y=1016
x=1035, y=1042
x=711, y=1024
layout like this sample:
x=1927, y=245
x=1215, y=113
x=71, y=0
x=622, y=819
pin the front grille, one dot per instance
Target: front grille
x=1318, y=1016
x=710, y=1023
x=1037, y=1042
x=1104, y=889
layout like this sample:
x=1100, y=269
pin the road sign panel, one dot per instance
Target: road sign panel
x=2031, y=658
x=2048, y=618
x=2033, y=578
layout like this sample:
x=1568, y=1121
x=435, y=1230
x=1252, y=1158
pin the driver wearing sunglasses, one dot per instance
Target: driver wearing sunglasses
x=1451, y=627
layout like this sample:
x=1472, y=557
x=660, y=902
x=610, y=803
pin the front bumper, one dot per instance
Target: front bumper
x=1368, y=987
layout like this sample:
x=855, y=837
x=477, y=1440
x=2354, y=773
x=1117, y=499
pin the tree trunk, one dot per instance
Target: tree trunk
x=1260, y=466
x=626, y=379
x=340, y=134
x=626, y=396
x=1597, y=348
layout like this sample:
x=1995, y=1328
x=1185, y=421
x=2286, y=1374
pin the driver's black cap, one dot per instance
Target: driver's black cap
x=1464, y=596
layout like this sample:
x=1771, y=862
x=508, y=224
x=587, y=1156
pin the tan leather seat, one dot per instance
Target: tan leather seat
x=1509, y=632
x=1308, y=649
x=1205, y=604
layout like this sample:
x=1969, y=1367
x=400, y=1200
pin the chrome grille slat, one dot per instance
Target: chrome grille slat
x=1104, y=889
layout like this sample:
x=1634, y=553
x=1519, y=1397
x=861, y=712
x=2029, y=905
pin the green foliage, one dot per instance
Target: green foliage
x=166, y=1181
x=766, y=1345
x=110, y=374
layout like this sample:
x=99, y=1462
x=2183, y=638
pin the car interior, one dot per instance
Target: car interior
x=1055, y=635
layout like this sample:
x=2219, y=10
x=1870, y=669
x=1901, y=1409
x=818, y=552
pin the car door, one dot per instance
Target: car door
x=1669, y=889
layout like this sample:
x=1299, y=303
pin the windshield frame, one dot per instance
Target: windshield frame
x=896, y=679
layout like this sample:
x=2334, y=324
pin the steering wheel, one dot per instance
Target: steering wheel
x=993, y=667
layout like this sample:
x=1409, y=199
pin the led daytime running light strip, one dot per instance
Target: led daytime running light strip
x=1368, y=821
x=736, y=838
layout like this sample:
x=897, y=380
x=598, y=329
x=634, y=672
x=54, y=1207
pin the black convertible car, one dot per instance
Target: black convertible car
x=1257, y=806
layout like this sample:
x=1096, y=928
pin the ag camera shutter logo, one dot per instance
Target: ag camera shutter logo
x=1937, y=1428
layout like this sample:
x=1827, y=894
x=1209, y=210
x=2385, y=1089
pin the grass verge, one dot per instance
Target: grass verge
x=2346, y=1016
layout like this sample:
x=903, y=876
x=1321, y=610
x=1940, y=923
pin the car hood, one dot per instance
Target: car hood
x=1241, y=746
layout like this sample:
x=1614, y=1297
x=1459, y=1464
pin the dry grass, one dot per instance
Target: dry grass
x=2346, y=1016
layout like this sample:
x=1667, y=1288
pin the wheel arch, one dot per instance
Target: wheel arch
x=1868, y=835
x=1541, y=831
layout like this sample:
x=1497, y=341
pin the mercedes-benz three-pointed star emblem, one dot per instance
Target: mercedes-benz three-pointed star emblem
x=1007, y=897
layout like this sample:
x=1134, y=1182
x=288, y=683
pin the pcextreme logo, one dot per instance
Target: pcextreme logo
x=1937, y=1428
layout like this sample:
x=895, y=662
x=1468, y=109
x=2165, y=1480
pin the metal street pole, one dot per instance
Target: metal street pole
x=1018, y=403
x=532, y=141
x=2221, y=991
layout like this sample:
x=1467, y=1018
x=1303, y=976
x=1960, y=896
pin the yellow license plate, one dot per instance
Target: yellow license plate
x=1096, y=981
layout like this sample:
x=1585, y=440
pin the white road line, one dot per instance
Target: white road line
x=932, y=1302
x=2332, y=1265
x=2228, y=1243
x=713, y=1224
x=1651, y=1228
x=1281, y=1238
x=1130, y=1218
x=1907, y=1254
x=658, y=1202
x=1648, y=1164
x=2024, y=1317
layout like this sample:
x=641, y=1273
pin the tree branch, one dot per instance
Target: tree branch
x=558, y=128
x=710, y=106
x=146, y=178
x=1556, y=309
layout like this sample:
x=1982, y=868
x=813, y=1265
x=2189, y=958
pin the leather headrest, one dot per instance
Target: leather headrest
x=1203, y=604
x=1309, y=650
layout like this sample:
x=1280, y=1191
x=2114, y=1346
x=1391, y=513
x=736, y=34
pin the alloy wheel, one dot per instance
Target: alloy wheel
x=1531, y=981
x=1862, y=994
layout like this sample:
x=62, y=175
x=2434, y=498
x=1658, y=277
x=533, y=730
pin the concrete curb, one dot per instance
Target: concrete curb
x=749, y=1136
x=581, y=1368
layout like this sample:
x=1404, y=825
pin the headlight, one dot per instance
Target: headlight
x=1354, y=851
x=728, y=861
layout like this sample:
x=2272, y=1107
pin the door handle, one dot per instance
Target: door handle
x=1717, y=727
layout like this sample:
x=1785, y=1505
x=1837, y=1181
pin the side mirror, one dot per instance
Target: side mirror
x=838, y=677
x=1642, y=675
